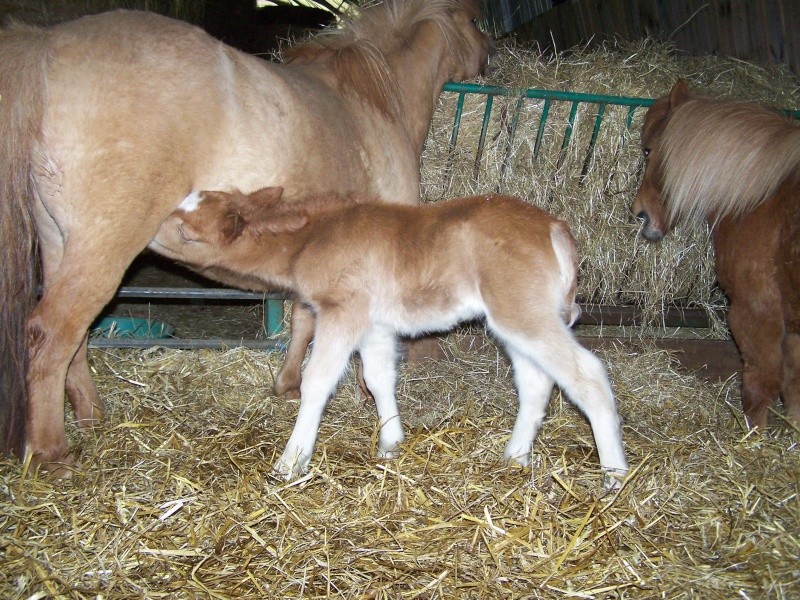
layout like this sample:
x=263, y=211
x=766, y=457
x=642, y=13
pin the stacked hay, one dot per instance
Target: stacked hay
x=175, y=498
x=593, y=192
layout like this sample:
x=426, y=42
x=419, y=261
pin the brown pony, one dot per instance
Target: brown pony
x=738, y=166
x=372, y=271
x=109, y=121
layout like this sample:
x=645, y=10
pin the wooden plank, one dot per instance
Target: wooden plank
x=714, y=360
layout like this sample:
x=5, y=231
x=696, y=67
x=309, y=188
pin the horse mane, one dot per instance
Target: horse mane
x=725, y=157
x=357, y=50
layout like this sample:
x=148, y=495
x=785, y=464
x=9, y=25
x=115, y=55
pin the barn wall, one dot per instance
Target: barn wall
x=761, y=31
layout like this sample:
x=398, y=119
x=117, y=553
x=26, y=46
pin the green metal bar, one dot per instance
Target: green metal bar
x=540, y=130
x=573, y=111
x=597, y=122
x=273, y=317
x=456, y=122
x=487, y=112
x=509, y=144
x=473, y=88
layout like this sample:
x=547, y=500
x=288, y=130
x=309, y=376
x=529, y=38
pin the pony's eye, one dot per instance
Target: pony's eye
x=646, y=152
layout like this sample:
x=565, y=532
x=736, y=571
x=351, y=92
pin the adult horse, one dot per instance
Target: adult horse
x=108, y=122
x=737, y=165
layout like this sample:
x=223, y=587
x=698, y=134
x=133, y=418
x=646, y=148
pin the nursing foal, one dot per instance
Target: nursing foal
x=370, y=272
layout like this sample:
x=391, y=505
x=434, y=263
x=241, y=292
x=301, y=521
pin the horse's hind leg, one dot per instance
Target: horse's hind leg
x=758, y=333
x=81, y=391
x=533, y=389
x=790, y=386
x=56, y=333
x=287, y=382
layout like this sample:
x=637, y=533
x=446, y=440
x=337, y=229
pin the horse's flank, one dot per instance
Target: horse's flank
x=747, y=152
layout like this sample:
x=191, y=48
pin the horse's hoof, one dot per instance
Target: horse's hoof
x=288, y=392
x=514, y=458
x=59, y=465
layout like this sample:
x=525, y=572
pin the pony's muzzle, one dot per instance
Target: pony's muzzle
x=650, y=233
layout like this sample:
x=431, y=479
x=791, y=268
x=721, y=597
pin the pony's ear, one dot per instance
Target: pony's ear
x=679, y=93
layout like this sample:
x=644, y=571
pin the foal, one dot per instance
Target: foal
x=370, y=272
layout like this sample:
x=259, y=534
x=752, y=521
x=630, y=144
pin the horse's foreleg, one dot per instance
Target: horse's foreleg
x=334, y=342
x=759, y=334
x=533, y=389
x=379, y=357
x=287, y=382
x=81, y=391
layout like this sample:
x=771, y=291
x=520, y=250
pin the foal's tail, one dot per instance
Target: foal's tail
x=23, y=62
x=567, y=256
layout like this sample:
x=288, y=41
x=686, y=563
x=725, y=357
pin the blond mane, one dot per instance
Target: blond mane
x=358, y=49
x=724, y=157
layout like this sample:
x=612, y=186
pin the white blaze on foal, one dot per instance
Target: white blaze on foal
x=371, y=272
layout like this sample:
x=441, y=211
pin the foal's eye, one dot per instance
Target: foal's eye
x=646, y=152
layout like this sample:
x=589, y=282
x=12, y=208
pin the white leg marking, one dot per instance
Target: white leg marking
x=328, y=361
x=378, y=354
x=533, y=389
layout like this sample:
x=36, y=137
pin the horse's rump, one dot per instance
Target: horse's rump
x=23, y=63
x=723, y=157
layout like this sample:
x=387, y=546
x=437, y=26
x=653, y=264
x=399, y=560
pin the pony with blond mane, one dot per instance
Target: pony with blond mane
x=736, y=165
x=371, y=271
x=108, y=122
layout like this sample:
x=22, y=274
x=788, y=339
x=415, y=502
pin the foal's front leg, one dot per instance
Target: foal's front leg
x=335, y=339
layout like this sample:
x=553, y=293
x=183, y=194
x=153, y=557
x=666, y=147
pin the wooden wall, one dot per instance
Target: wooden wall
x=760, y=31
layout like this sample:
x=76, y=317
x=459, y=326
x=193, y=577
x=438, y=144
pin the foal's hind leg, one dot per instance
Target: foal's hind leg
x=582, y=376
x=287, y=382
x=379, y=357
x=533, y=389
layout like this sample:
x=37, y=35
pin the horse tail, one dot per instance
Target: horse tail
x=23, y=63
x=723, y=157
x=567, y=256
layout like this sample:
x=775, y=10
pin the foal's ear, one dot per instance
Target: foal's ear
x=679, y=93
x=266, y=196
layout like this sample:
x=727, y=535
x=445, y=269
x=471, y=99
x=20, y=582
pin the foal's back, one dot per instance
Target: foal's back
x=432, y=266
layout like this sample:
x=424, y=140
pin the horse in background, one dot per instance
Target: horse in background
x=371, y=272
x=736, y=165
x=108, y=122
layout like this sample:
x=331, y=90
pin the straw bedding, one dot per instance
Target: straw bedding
x=176, y=498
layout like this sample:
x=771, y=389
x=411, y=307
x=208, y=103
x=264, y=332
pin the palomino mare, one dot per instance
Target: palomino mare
x=408, y=270
x=737, y=165
x=109, y=121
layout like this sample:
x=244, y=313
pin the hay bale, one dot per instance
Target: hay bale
x=593, y=194
x=177, y=499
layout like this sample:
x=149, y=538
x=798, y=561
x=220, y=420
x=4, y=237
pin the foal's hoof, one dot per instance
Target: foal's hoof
x=613, y=479
x=290, y=467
